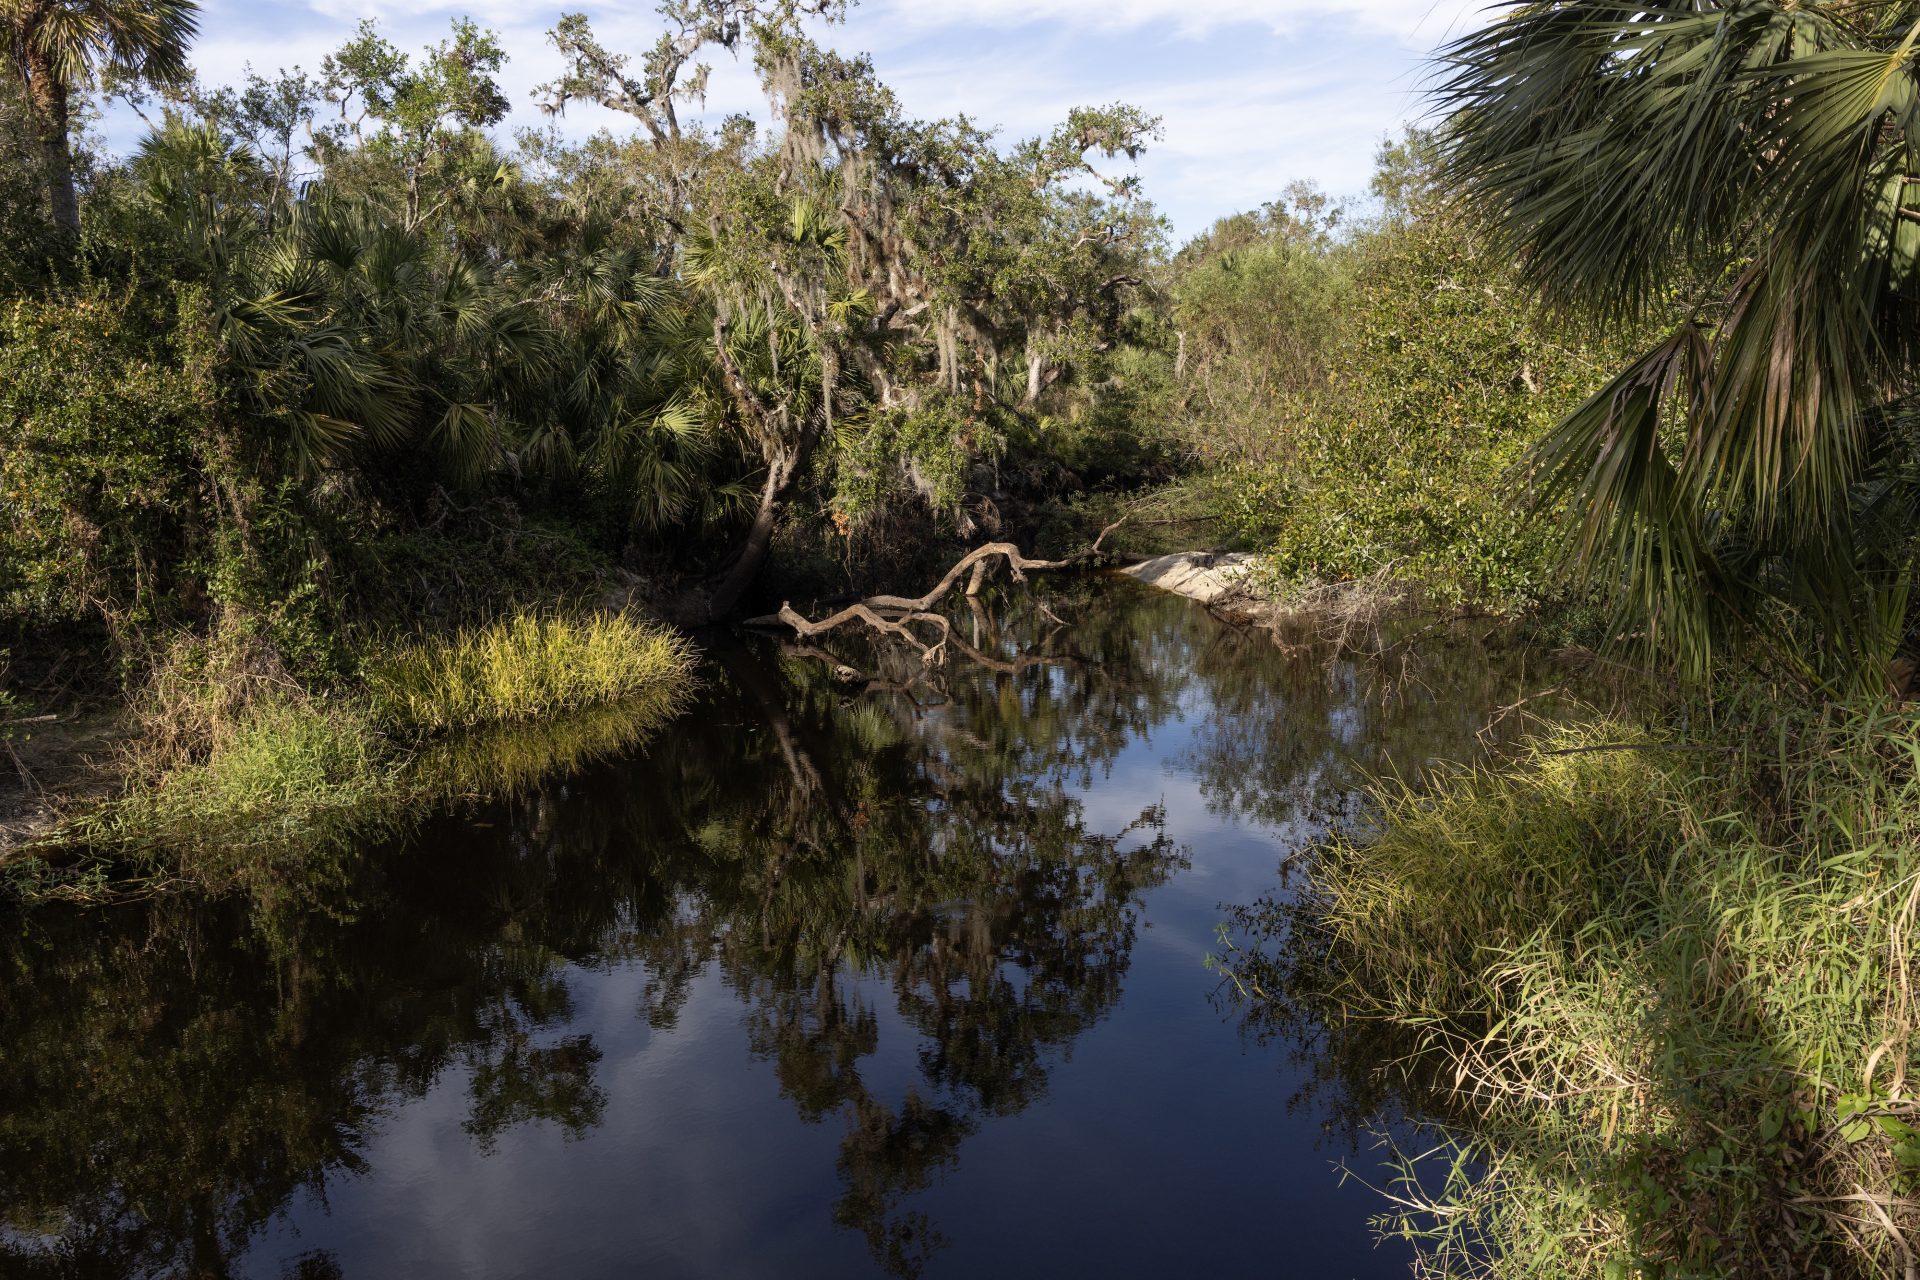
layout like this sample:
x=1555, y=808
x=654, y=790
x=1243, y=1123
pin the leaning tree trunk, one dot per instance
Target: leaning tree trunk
x=753, y=552
x=782, y=471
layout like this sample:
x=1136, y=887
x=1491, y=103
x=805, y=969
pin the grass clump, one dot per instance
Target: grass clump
x=286, y=779
x=526, y=667
x=239, y=769
x=1660, y=1002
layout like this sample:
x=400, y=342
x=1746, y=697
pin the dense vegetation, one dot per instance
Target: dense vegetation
x=326, y=370
x=344, y=436
x=1651, y=981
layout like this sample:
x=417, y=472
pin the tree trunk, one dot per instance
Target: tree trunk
x=66, y=201
x=753, y=552
x=49, y=98
x=782, y=471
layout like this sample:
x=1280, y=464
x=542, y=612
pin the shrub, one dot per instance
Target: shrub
x=1404, y=462
x=103, y=464
x=527, y=667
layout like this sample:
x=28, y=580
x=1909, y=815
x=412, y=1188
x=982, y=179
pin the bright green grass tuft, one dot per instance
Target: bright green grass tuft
x=279, y=780
x=524, y=668
x=286, y=780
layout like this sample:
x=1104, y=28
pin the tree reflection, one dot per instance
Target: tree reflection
x=176, y=1071
x=848, y=842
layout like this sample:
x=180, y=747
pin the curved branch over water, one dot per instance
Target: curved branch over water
x=898, y=615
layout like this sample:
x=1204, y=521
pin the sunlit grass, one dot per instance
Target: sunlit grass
x=1668, y=995
x=257, y=776
x=284, y=782
x=524, y=668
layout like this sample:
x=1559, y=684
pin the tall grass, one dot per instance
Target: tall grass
x=286, y=780
x=526, y=667
x=242, y=772
x=1665, y=998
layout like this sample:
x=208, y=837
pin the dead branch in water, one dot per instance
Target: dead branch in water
x=898, y=616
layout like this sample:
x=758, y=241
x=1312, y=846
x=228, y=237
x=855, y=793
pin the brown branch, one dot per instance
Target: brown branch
x=898, y=615
x=1017, y=563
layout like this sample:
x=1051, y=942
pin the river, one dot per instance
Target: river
x=841, y=974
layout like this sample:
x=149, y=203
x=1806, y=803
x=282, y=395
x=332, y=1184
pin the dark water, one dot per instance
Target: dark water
x=832, y=979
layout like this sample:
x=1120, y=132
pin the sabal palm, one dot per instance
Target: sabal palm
x=1746, y=174
x=59, y=46
x=351, y=337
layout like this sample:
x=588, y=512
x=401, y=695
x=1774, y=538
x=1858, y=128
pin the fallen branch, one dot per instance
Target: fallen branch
x=898, y=615
x=931, y=654
x=981, y=556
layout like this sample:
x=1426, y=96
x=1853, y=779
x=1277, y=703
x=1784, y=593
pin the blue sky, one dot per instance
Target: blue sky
x=1253, y=93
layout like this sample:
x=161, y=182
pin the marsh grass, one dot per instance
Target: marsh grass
x=240, y=773
x=288, y=779
x=1662, y=998
x=525, y=668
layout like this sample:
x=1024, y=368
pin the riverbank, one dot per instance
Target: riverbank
x=219, y=773
x=1653, y=997
x=1644, y=983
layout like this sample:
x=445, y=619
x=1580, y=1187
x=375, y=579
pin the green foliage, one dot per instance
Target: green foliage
x=928, y=450
x=525, y=668
x=1442, y=379
x=287, y=779
x=107, y=463
x=1658, y=997
x=28, y=242
x=60, y=49
x=1257, y=305
x=1747, y=481
x=1368, y=393
x=273, y=582
x=239, y=774
x=425, y=118
x=469, y=568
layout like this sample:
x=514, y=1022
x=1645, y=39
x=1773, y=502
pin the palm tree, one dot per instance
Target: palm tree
x=60, y=46
x=1742, y=178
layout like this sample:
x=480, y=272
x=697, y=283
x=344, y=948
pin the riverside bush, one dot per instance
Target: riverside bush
x=104, y=466
x=1404, y=462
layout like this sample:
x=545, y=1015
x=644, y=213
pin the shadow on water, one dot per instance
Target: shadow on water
x=919, y=898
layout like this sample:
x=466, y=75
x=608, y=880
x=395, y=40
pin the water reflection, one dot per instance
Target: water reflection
x=897, y=880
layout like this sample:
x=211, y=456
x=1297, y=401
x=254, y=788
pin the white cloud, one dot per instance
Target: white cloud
x=1253, y=93
x=1422, y=22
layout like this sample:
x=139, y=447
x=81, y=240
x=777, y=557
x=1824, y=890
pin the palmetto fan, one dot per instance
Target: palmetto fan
x=1746, y=176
